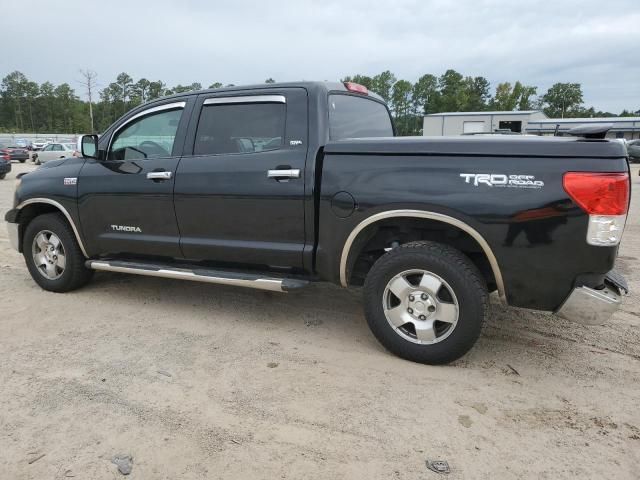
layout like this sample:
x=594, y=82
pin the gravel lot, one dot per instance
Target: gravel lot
x=205, y=381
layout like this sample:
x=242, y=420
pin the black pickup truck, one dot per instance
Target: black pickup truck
x=275, y=186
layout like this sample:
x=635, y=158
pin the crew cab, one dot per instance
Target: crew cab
x=276, y=186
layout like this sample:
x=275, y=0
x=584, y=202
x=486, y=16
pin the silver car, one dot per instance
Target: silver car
x=633, y=147
x=55, y=151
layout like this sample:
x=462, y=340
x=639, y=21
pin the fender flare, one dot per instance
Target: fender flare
x=493, y=261
x=63, y=210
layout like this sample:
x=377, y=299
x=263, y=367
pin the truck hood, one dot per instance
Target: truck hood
x=495, y=146
x=53, y=163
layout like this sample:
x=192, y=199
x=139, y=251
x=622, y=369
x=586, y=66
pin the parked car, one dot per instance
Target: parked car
x=14, y=152
x=23, y=143
x=633, y=148
x=270, y=187
x=5, y=163
x=39, y=144
x=55, y=151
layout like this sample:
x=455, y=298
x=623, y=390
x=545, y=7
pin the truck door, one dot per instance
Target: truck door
x=239, y=192
x=125, y=200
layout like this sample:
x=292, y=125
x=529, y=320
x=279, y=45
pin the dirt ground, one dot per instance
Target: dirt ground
x=203, y=381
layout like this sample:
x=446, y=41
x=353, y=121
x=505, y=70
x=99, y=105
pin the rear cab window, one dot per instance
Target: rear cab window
x=352, y=116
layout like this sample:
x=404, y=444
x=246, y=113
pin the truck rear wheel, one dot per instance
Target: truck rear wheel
x=425, y=302
x=53, y=255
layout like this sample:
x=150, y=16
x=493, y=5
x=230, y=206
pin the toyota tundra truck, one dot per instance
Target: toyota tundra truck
x=276, y=186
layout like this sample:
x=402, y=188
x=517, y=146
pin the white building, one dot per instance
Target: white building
x=458, y=123
x=623, y=127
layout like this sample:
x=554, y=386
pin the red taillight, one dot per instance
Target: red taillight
x=356, y=87
x=598, y=193
x=6, y=158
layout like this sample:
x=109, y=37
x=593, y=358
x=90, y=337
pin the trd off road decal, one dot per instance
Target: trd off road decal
x=502, y=180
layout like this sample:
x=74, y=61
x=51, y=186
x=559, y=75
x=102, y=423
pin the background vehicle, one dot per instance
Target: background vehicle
x=278, y=185
x=633, y=147
x=39, y=144
x=55, y=151
x=23, y=143
x=5, y=164
x=14, y=152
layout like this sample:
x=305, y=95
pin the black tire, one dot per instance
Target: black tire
x=75, y=274
x=461, y=276
x=22, y=161
x=2, y=175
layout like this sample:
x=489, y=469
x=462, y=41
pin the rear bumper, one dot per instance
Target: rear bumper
x=594, y=307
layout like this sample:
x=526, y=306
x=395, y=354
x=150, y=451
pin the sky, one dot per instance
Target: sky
x=591, y=42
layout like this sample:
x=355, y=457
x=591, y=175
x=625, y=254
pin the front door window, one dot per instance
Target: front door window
x=151, y=136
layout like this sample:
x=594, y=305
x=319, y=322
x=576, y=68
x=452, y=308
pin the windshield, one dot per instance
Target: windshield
x=70, y=146
x=357, y=117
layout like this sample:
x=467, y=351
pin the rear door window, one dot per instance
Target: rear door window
x=240, y=128
x=357, y=117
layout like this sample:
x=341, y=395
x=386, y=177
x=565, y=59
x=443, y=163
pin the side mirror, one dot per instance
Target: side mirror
x=89, y=146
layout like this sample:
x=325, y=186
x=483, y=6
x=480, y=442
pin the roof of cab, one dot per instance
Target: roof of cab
x=326, y=86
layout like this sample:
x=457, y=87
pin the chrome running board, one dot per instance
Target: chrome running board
x=250, y=280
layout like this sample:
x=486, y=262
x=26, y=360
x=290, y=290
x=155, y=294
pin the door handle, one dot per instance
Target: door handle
x=286, y=173
x=158, y=175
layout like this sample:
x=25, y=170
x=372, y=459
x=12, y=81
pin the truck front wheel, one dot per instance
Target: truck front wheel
x=53, y=255
x=425, y=302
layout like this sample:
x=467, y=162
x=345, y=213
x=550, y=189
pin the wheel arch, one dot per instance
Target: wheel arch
x=355, y=243
x=33, y=207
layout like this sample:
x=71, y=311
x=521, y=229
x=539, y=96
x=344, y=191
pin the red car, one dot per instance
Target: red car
x=14, y=153
x=5, y=163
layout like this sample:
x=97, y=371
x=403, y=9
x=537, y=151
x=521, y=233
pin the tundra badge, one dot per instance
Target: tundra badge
x=125, y=228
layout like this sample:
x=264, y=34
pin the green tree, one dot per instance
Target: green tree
x=156, y=89
x=140, y=91
x=627, y=113
x=125, y=82
x=181, y=89
x=187, y=88
x=477, y=94
x=31, y=92
x=13, y=90
x=563, y=100
x=65, y=98
x=215, y=85
x=425, y=93
x=382, y=84
x=401, y=106
x=269, y=80
x=47, y=104
x=516, y=97
x=453, y=92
